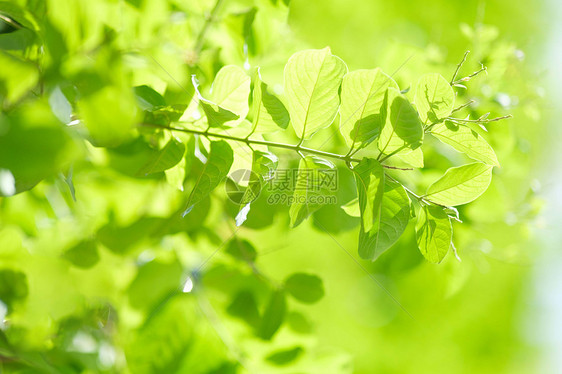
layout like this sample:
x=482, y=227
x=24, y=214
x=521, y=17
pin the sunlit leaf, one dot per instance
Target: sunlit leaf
x=361, y=112
x=313, y=187
x=264, y=165
x=214, y=171
x=268, y=113
x=217, y=116
x=465, y=140
x=392, y=219
x=230, y=90
x=312, y=81
x=460, y=185
x=434, y=98
x=433, y=233
x=402, y=131
x=164, y=159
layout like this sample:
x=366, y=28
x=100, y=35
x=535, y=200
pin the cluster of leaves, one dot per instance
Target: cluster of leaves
x=372, y=113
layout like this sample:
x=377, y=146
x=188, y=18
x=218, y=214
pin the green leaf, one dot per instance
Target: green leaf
x=175, y=175
x=17, y=77
x=33, y=146
x=13, y=286
x=164, y=159
x=307, y=288
x=84, y=254
x=352, y=208
x=465, y=140
x=434, y=233
x=244, y=306
x=217, y=116
x=264, y=165
x=273, y=315
x=413, y=158
x=369, y=178
x=434, y=98
x=231, y=90
x=312, y=80
x=241, y=249
x=108, y=124
x=362, y=96
x=148, y=98
x=285, y=356
x=268, y=112
x=392, y=219
x=402, y=131
x=370, y=181
x=214, y=171
x=311, y=193
x=460, y=185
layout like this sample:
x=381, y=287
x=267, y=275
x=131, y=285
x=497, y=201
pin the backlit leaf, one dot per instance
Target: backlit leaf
x=214, y=171
x=164, y=159
x=310, y=191
x=268, y=112
x=361, y=112
x=392, y=219
x=434, y=98
x=433, y=233
x=312, y=81
x=402, y=131
x=465, y=140
x=460, y=185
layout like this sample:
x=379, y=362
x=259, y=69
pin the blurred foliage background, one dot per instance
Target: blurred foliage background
x=93, y=260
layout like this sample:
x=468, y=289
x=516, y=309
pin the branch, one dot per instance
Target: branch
x=297, y=148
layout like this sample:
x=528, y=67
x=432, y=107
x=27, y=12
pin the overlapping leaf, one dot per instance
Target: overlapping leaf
x=264, y=165
x=465, y=140
x=434, y=98
x=434, y=233
x=392, y=219
x=402, y=131
x=310, y=190
x=268, y=112
x=361, y=112
x=164, y=159
x=230, y=90
x=214, y=171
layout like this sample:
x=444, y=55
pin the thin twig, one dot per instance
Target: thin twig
x=459, y=67
x=452, y=119
x=463, y=106
x=467, y=78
